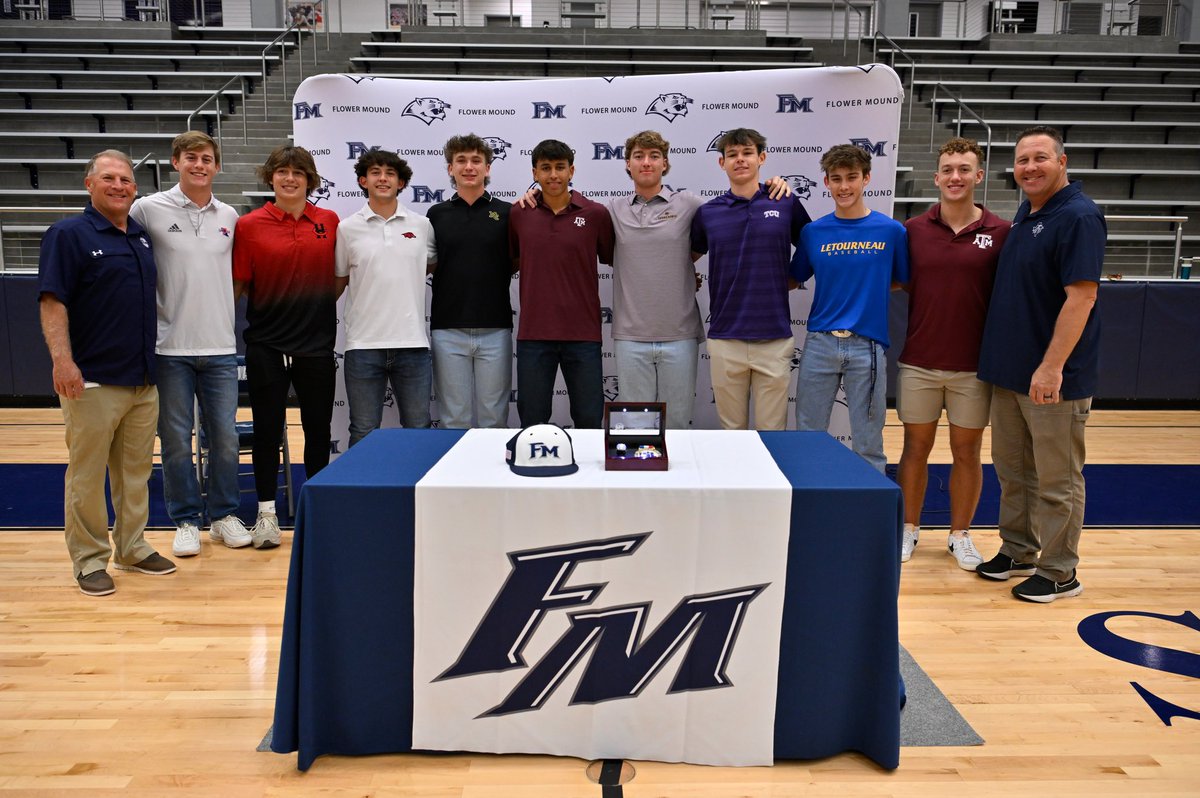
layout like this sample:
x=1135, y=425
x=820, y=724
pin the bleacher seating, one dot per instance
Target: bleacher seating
x=64, y=98
x=1131, y=119
x=507, y=59
x=1130, y=122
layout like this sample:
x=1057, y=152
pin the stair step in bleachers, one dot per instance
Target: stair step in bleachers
x=708, y=53
x=560, y=67
x=1183, y=92
x=178, y=61
x=43, y=99
x=101, y=79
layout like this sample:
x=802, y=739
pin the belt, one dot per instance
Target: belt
x=841, y=333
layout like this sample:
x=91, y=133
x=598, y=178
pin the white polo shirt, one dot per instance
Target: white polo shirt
x=386, y=261
x=193, y=249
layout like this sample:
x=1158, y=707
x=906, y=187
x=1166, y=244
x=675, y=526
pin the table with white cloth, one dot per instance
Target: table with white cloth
x=735, y=609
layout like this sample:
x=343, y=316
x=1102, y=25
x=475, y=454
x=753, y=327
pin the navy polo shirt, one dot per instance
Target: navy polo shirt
x=106, y=279
x=1062, y=243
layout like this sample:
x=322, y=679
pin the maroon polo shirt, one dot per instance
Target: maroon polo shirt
x=560, y=293
x=949, y=289
x=287, y=265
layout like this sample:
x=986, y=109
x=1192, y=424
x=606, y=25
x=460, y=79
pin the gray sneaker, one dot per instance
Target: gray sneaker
x=266, y=531
x=97, y=583
x=155, y=565
x=187, y=540
x=231, y=531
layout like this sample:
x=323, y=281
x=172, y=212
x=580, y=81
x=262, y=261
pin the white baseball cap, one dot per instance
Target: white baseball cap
x=542, y=450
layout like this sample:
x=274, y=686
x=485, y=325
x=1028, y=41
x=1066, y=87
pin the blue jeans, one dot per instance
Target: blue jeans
x=182, y=381
x=368, y=373
x=659, y=371
x=537, y=366
x=859, y=365
x=473, y=367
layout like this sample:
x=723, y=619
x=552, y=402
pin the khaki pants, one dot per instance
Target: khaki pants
x=108, y=427
x=745, y=371
x=1038, y=452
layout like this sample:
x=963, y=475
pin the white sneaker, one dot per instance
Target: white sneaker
x=911, y=534
x=963, y=550
x=231, y=531
x=187, y=540
x=266, y=531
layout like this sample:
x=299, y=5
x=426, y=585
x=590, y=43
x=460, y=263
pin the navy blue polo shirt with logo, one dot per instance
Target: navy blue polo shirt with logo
x=106, y=278
x=1062, y=243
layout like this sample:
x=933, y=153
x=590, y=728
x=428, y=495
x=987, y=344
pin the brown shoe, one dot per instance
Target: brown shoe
x=97, y=583
x=155, y=565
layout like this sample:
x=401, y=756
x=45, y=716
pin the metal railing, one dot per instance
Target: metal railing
x=157, y=165
x=216, y=97
x=912, y=65
x=1176, y=221
x=962, y=107
x=280, y=41
x=846, y=27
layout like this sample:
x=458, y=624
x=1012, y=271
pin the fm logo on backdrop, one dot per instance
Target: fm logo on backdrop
x=304, y=110
x=621, y=659
x=877, y=149
x=545, y=110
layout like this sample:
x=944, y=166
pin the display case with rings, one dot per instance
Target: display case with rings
x=635, y=436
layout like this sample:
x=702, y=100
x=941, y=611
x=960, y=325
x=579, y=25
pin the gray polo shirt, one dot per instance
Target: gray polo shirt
x=654, y=281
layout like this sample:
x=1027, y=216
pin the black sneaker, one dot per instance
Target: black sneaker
x=1001, y=567
x=1040, y=589
x=155, y=565
x=97, y=583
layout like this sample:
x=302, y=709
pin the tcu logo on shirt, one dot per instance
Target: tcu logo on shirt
x=580, y=221
x=770, y=214
x=983, y=241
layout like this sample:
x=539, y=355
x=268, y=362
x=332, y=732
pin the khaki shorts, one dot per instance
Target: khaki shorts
x=922, y=393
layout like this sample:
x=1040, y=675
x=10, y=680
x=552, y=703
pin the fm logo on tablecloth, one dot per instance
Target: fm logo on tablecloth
x=620, y=659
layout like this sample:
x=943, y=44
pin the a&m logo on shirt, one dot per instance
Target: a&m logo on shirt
x=983, y=241
x=580, y=221
x=770, y=214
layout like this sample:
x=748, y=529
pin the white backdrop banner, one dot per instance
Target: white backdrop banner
x=801, y=112
x=604, y=614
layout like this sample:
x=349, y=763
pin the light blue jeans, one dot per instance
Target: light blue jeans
x=659, y=371
x=473, y=366
x=368, y=372
x=859, y=365
x=211, y=380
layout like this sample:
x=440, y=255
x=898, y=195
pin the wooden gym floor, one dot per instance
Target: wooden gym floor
x=166, y=687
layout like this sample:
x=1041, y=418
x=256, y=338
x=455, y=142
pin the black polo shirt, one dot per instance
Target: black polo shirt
x=106, y=278
x=474, y=270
